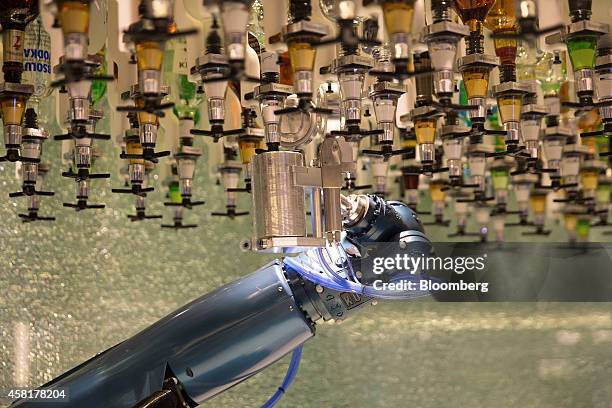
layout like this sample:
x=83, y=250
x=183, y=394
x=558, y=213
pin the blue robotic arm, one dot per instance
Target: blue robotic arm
x=230, y=334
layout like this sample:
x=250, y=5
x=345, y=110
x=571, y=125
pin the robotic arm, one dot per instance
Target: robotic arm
x=232, y=333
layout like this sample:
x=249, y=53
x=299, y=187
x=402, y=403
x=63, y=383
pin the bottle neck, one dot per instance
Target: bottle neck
x=474, y=43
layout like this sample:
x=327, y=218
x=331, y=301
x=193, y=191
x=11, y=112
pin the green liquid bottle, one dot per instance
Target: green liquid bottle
x=583, y=227
x=98, y=88
x=174, y=193
x=581, y=50
x=175, y=72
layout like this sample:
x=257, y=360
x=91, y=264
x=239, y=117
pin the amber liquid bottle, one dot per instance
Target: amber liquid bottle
x=502, y=19
x=473, y=14
x=14, y=16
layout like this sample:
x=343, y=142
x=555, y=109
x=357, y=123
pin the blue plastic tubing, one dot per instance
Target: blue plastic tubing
x=289, y=377
x=333, y=281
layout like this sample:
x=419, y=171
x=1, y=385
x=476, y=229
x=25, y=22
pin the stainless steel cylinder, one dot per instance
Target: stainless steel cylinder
x=82, y=156
x=501, y=196
x=480, y=182
x=150, y=81
x=513, y=132
x=269, y=106
x=387, y=134
x=532, y=147
x=278, y=202
x=401, y=48
x=553, y=164
x=29, y=172
x=235, y=47
x=216, y=110
x=137, y=173
x=186, y=186
x=33, y=203
x=148, y=134
x=140, y=202
x=606, y=112
x=479, y=113
x=352, y=110
x=82, y=189
x=75, y=46
x=31, y=148
x=443, y=82
x=303, y=82
x=12, y=135
x=583, y=79
x=79, y=109
x=428, y=152
x=454, y=168
x=411, y=197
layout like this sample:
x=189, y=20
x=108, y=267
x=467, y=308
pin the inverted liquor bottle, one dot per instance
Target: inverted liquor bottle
x=424, y=83
x=502, y=19
x=37, y=64
x=73, y=17
x=500, y=176
x=14, y=16
x=425, y=119
x=398, y=15
x=548, y=72
x=580, y=9
x=438, y=196
x=234, y=18
x=300, y=35
x=150, y=57
x=475, y=70
x=302, y=55
x=581, y=38
x=441, y=38
x=13, y=98
x=537, y=201
x=425, y=129
x=213, y=65
x=182, y=91
x=602, y=196
x=473, y=14
x=12, y=107
x=510, y=102
x=603, y=78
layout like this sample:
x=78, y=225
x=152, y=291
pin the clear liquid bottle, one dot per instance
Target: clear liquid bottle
x=37, y=66
x=255, y=26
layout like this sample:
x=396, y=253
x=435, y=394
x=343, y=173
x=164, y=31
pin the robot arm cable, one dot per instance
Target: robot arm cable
x=289, y=377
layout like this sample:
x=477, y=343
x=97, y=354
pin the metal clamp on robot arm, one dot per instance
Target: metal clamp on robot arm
x=367, y=219
x=232, y=333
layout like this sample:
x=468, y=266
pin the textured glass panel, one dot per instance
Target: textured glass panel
x=80, y=285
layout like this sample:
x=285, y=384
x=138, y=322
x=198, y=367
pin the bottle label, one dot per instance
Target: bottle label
x=37, y=58
x=12, y=43
x=180, y=63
